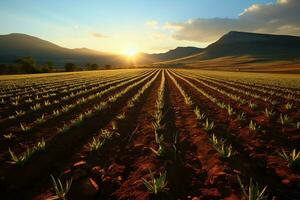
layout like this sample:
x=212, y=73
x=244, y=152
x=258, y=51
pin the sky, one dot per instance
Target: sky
x=145, y=25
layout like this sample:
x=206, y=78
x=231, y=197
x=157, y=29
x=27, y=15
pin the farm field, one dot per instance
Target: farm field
x=109, y=134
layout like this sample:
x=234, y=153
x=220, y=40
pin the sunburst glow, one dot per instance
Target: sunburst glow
x=131, y=52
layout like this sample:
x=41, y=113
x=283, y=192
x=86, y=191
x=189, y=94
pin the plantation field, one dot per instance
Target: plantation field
x=150, y=134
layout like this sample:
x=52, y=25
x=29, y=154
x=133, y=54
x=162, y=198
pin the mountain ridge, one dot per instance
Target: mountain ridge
x=15, y=45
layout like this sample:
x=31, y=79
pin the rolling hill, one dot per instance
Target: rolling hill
x=246, y=51
x=17, y=45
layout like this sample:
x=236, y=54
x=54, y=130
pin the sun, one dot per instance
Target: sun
x=130, y=52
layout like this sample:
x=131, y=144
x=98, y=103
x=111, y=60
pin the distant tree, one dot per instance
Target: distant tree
x=27, y=65
x=70, y=67
x=50, y=65
x=107, y=66
x=3, y=69
x=91, y=66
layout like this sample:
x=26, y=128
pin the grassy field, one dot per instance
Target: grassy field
x=150, y=134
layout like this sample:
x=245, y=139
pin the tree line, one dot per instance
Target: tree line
x=27, y=65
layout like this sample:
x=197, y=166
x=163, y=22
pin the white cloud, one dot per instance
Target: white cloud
x=281, y=17
x=98, y=35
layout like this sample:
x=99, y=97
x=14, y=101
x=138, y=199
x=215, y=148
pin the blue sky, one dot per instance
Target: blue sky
x=119, y=24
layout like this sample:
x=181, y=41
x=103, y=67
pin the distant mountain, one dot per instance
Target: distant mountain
x=253, y=45
x=179, y=52
x=17, y=45
x=247, y=52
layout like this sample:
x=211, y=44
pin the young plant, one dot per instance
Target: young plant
x=284, y=119
x=56, y=112
x=188, y=100
x=47, y=103
x=40, y=146
x=224, y=150
x=9, y=136
x=40, y=119
x=293, y=158
x=208, y=126
x=253, y=126
x=21, y=159
x=61, y=191
x=288, y=106
x=64, y=129
x=298, y=125
x=252, y=192
x=274, y=102
x=121, y=116
x=253, y=106
x=156, y=185
x=230, y=110
x=200, y=116
x=161, y=151
x=96, y=144
x=35, y=107
x=241, y=117
x=269, y=113
x=24, y=127
x=20, y=113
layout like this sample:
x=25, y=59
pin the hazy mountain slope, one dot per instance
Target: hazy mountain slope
x=254, y=45
x=16, y=45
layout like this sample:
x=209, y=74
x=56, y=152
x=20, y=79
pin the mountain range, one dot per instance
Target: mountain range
x=235, y=46
x=15, y=45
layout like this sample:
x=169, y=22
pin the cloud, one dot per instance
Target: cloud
x=98, y=35
x=281, y=17
x=152, y=24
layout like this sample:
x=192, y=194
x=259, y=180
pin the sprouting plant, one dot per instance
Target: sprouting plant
x=21, y=159
x=78, y=120
x=56, y=112
x=2, y=101
x=64, y=129
x=188, y=100
x=253, y=126
x=96, y=144
x=160, y=152
x=208, y=126
x=35, y=107
x=200, y=116
x=15, y=103
x=224, y=150
x=221, y=105
x=288, y=106
x=274, y=102
x=40, y=120
x=65, y=108
x=9, y=136
x=156, y=185
x=24, y=127
x=47, y=103
x=106, y=134
x=20, y=113
x=61, y=190
x=284, y=119
x=230, y=110
x=269, y=113
x=40, y=146
x=252, y=105
x=121, y=116
x=252, y=191
x=298, y=125
x=293, y=158
x=241, y=117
